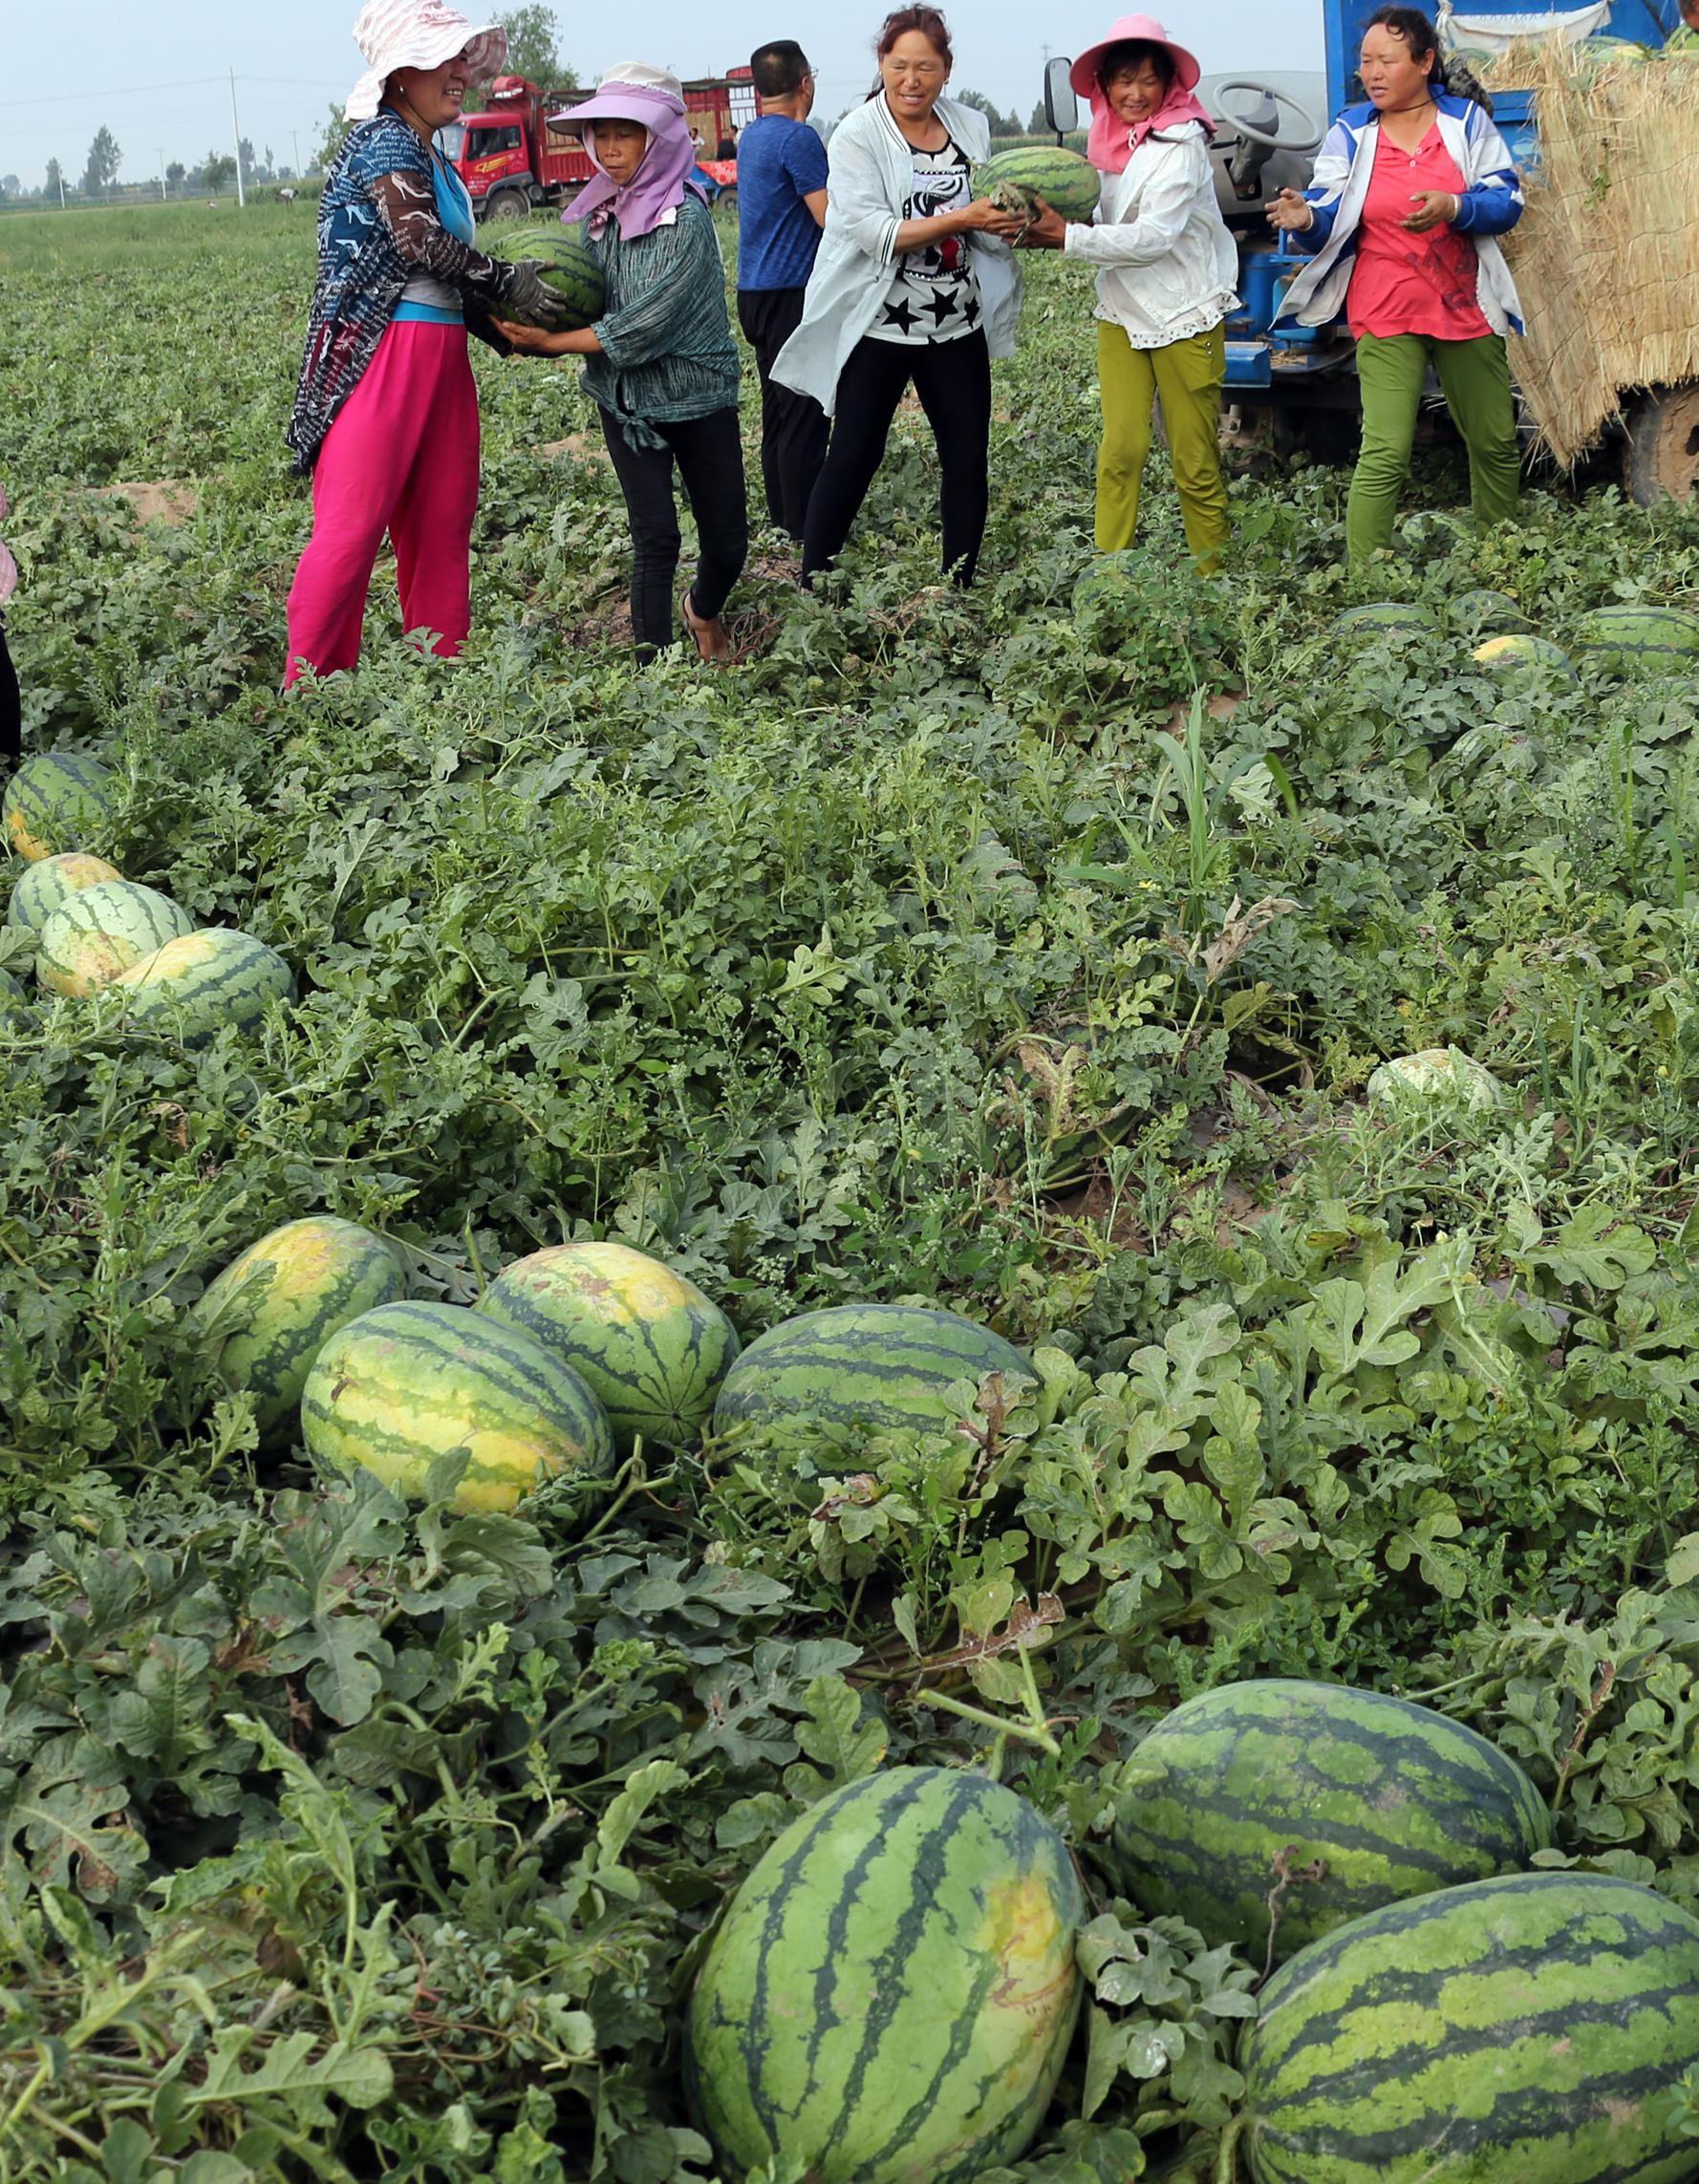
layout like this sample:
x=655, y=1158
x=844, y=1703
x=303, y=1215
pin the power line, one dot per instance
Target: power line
x=183, y=83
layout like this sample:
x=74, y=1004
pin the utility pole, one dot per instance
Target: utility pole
x=62, y=189
x=295, y=139
x=236, y=139
x=161, y=174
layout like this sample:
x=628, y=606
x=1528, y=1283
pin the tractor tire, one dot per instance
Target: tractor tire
x=1661, y=460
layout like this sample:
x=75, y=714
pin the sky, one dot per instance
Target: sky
x=156, y=75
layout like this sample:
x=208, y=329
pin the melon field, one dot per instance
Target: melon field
x=1022, y=956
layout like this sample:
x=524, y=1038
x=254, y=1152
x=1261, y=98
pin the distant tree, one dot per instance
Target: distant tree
x=533, y=33
x=55, y=178
x=174, y=176
x=1001, y=124
x=250, y=166
x=10, y=186
x=1038, y=126
x=104, y=162
x=216, y=171
x=331, y=138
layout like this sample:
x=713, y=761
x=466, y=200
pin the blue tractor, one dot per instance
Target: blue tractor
x=1297, y=389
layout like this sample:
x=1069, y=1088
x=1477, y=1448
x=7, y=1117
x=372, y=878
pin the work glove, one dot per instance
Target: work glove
x=523, y=295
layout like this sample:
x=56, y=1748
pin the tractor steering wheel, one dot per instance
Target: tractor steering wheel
x=1275, y=143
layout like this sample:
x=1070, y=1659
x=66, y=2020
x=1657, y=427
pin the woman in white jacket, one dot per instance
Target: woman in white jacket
x=914, y=283
x=1166, y=284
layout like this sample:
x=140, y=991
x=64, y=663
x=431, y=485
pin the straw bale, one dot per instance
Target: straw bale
x=1607, y=255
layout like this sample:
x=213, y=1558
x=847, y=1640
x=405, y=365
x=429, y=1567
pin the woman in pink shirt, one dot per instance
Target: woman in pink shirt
x=1407, y=199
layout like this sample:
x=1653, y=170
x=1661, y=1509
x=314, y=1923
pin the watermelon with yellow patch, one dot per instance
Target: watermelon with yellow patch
x=268, y=1315
x=195, y=986
x=42, y=887
x=54, y=802
x=891, y=1995
x=101, y=931
x=653, y=1346
x=408, y=1383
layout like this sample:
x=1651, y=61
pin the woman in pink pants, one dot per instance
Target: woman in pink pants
x=386, y=412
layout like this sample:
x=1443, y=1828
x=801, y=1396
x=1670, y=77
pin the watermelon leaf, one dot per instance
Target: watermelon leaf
x=835, y=1735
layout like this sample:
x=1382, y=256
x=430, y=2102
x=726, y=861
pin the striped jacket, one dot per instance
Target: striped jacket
x=1492, y=203
x=667, y=349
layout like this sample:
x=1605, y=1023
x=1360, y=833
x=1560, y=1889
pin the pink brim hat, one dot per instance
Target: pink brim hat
x=1083, y=75
x=418, y=34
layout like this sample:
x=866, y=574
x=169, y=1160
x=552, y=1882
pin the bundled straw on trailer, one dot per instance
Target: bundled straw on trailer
x=1606, y=256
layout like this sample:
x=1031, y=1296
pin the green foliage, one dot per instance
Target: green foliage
x=953, y=949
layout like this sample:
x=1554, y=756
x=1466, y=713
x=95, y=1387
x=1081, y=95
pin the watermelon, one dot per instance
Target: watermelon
x=1435, y=1076
x=569, y=270
x=100, y=931
x=1396, y=1800
x=1527, y=2029
x=195, y=985
x=1015, y=180
x=1485, y=613
x=1520, y=658
x=653, y=1347
x=43, y=886
x=1641, y=640
x=53, y=801
x=867, y=1364
x=890, y=1995
x=406, y=1383
x=271, y=1311
x=1383, y=619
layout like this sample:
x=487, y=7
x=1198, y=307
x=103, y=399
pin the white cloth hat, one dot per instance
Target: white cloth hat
x=418, y=34
x=610, y=100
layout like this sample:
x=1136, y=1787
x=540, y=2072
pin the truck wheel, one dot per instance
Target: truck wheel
x=509, y=205
x=1661, y=460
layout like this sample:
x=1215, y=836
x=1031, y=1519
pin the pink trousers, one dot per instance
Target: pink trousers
x=402, y=458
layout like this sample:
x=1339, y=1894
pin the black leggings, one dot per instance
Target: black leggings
x=952, y=380
x=710, y=460
x=12, y=715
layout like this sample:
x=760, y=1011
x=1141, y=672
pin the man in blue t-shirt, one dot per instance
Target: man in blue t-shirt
x=780, y=211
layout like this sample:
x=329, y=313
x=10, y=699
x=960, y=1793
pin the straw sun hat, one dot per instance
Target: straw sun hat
x=418, y=34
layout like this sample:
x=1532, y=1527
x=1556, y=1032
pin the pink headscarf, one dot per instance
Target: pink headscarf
x=1109, y=143
x=656, y=102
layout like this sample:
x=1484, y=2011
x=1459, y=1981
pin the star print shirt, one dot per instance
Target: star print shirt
x=934, y=293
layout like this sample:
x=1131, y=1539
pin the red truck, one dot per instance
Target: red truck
x=511, y=160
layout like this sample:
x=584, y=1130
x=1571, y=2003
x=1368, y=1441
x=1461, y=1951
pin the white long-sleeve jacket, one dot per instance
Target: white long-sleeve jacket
x=1168, y=263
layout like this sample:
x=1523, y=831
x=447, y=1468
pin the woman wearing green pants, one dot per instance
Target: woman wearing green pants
x=1407, y=199
x=1165, y=284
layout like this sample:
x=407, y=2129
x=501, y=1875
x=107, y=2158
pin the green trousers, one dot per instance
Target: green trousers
x=1474, y=378
x=1188, y=376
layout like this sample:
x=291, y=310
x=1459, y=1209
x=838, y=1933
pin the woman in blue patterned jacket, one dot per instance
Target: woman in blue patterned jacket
x=386, y=411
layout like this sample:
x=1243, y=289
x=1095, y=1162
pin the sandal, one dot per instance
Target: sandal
x=723, y=656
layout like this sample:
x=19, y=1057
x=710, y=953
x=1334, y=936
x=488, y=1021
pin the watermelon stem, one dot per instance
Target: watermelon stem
x=1034, y=1730
x=1226, y=2165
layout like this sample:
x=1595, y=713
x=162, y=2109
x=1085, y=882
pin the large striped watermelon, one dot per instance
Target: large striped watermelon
x=195, y=986
x=1384, y=618
x=1394, y=1799
x=54, y=802
x=653, y=1347
x=571, y=271
x=891, y=1995
x=272, y=1310
x=869, y=1364
x=1522, y=2030
x=1641, y=640
x=406, y=1383
x=1016, y=178
x=101, y=930
x=42, y=887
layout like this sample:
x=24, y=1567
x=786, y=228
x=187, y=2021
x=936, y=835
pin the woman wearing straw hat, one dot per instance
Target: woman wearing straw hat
x=1167, y=278
x=1403, y=209
x=913, y=282
x=660, y=361
x=386, y=412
